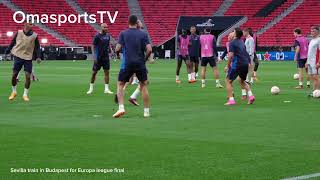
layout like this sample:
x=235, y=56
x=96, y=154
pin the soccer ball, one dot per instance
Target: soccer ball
x=296, y=76
x=316, y=93
x=275, y=90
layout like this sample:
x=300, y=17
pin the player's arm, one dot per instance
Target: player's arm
x=297, y=50
x=118, y=49
x=9, y=48
x=318, y=63
x=37, y=49
x=214, y=46
x=225, y=52
x=251, y=47
x=148, y=46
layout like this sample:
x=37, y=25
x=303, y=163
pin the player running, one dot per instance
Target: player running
x=238, y=64
x=301, y=53
x=183, y=43
x=314, y=56
x=194, y=52
x=133, y=43
x=100, y=51
x=22, y=47
x=209, y=55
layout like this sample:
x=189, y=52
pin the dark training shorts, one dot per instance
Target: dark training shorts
x=210, y=60
x=105, y=64
x=18, y=63
x=125, y=74
x=240, y=71
x=301, y=63
x=194, y=59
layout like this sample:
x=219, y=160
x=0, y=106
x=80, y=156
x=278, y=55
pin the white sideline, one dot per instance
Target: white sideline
x=308, y=176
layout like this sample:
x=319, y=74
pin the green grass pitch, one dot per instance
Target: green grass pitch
x=190, y=134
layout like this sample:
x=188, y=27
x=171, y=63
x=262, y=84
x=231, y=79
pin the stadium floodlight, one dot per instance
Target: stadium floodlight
x=9, y=33
x=44, y=41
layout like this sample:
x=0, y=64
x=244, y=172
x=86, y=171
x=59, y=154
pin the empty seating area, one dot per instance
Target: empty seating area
x=121, y=6
x=81, y=33
x=161, y=17
x=10, y=26
x=282, y=32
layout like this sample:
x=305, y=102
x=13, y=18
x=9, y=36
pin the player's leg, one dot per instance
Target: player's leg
x=243, y=72
x=106, y=68
x=196, y=67
x=301, y=65
x=192, y=70
x=33, y=74
x=188, y=66
x=28, y=71
x=135, y=94
x=124, y=76
x=232, y=74
x=179, y=63
x=204, y=64
x=18, y=63
x=307, y=74
x=143, y=79
x=95, y=68
x=250, y=73
x=215, y=71
x=256, y=66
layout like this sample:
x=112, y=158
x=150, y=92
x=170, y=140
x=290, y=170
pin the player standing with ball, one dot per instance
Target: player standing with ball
x=314, y=56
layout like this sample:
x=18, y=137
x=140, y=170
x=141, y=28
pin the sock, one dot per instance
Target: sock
x=300, y=83
x=197, y=74
x=121, y=107
x=14, y=89
x=217, y=81
x=250, y=93
x=135, y=94
x=26, y=91
x=251, y=80
x=177, y=77
x=146, y=110
x=91, y=86
x=203, y=81
x=308, y=83
x=106, y=87
x=193, y=77
x=189, y=77
x=231, y=98
x=244, y=92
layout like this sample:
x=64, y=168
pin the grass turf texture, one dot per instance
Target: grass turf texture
x=190, y=135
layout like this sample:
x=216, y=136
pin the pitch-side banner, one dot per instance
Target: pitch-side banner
x=216, y=23
x=276, y=56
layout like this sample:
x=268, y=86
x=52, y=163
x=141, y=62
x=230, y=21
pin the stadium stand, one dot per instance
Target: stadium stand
x=161, y=16
x=111, y=5
x=10, y=26
x=282, y=33
x=80, y=33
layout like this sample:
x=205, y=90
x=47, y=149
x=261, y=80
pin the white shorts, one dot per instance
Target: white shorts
x=312, y=70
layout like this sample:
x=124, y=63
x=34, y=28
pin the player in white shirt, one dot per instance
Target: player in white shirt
x=250, y=46
x=314, y=56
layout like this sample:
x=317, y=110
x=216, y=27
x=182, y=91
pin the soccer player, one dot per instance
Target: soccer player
x=249, y=43
x=301, y=53
x=100, y=50
x=183, y=43
x=238, y=64
x=255, y=59
x=22, y=47
x=133, y=43
x=194, y=52
x=314, y=56
x=209, y=55
x=135, y=94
